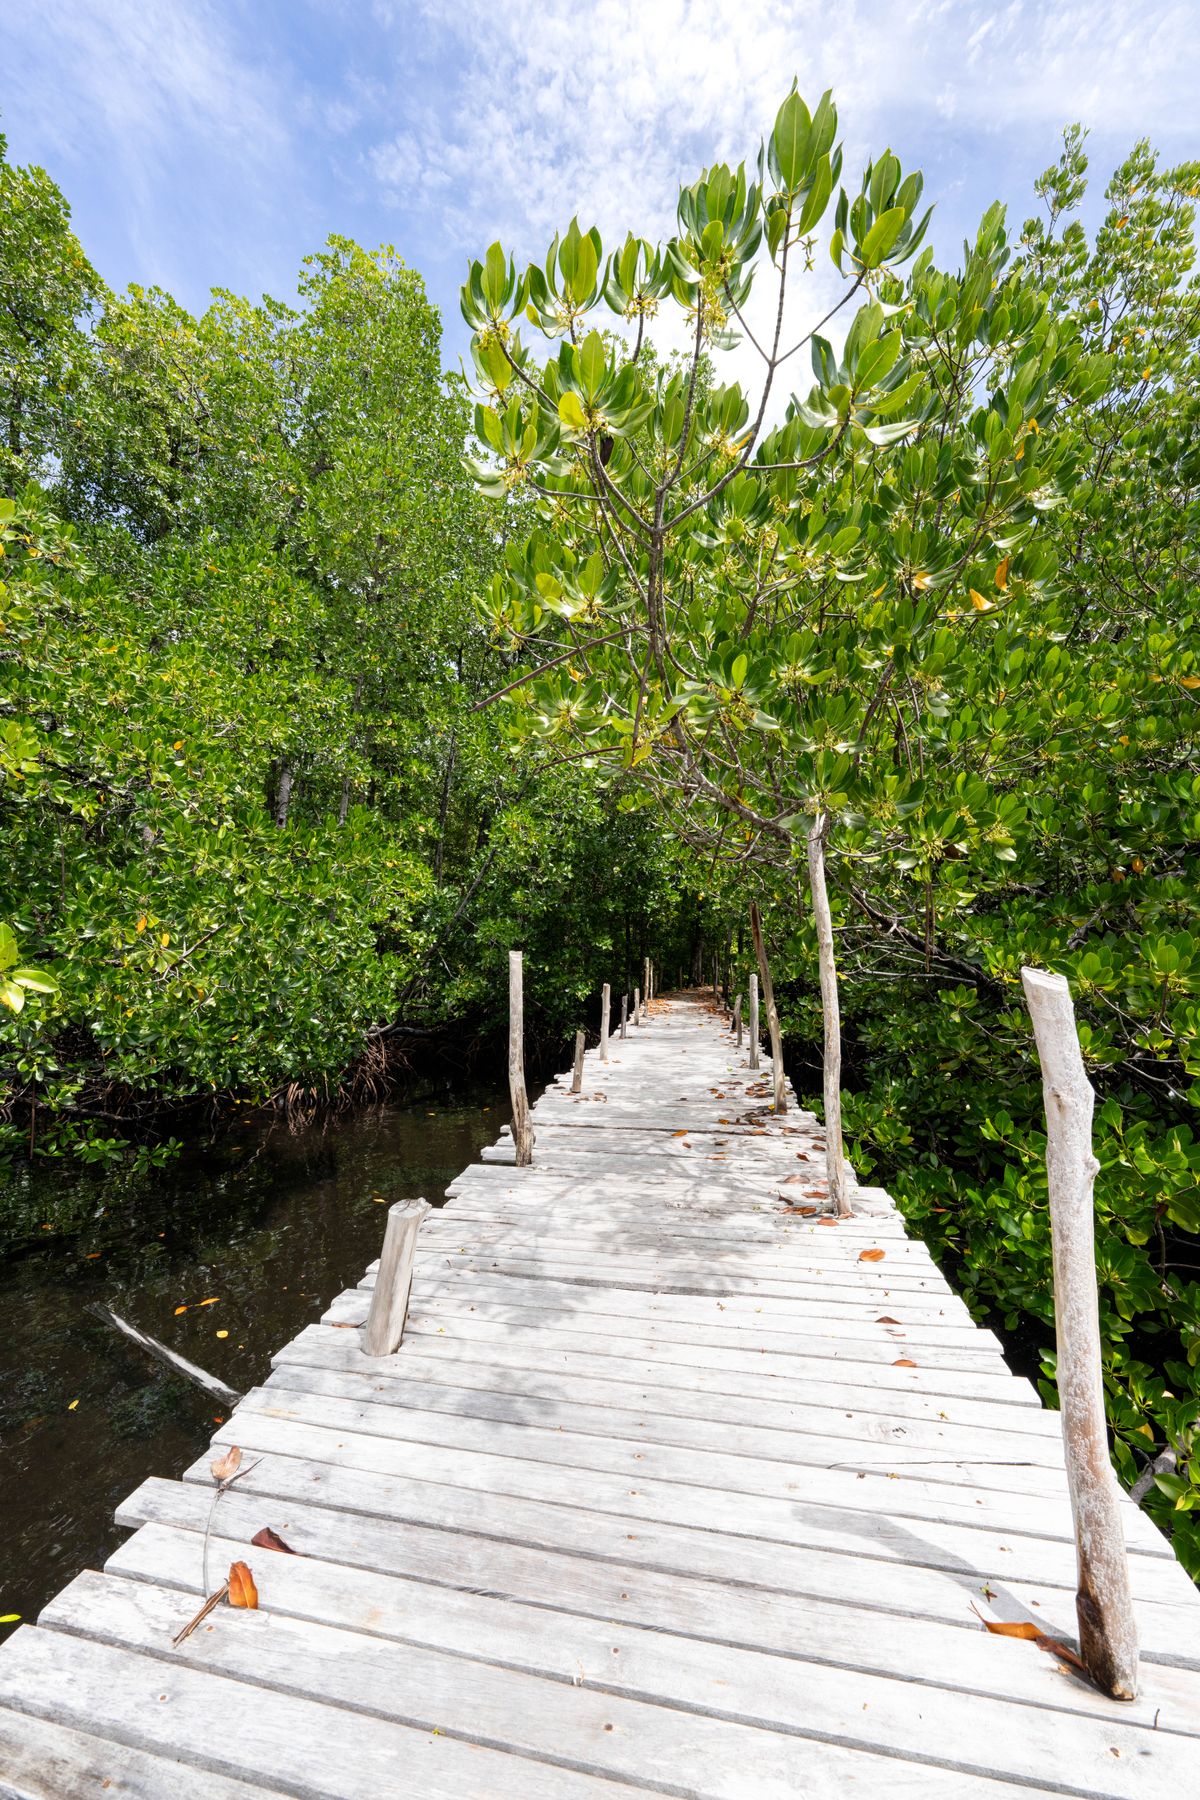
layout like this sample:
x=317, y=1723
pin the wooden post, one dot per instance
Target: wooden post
x=737, y=1021
x=522, y=1128
x=577, y=1071
x=1103, y=1607
x=605, y=1005
x=754, y=1021
x=831, y=1062
x=646, y=978
x=383, y=1332
x=624, y=1013
x=637, y=1006
x=760, y=951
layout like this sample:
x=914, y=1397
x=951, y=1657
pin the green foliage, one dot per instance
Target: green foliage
x=945, y=598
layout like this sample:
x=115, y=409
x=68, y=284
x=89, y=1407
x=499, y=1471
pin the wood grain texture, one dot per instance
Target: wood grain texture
x=668, y=1489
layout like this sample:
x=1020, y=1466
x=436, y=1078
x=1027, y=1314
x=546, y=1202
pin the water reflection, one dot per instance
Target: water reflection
x=265, y=1224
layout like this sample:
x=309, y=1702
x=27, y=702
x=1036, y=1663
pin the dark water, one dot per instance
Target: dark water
x=269, y=1223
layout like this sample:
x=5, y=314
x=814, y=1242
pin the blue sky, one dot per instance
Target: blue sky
x=208, y=143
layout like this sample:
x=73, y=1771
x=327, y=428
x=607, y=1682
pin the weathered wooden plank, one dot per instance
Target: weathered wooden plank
x=309, y=1748
x=595, y=1722
x=851, y=1341
x=709, y=1584
x=766, y=1319
x=809, y=1292
x=844, y=1411
x=620, y=1477
x=806, y=1438
x=40, y=1760
x=685, y=1388
x=638, y=1703
x=855, y=1360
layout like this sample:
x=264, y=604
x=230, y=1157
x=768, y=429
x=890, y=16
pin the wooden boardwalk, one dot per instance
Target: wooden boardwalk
x=671, y=1489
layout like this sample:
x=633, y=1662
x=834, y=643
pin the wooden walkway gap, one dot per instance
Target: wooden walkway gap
x=673, y=1488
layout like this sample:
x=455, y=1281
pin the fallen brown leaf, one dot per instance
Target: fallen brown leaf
x=871, y=1255
x=266, y=1539
x=1028, y=1629
x=242, y=1591
x=904, y=1362
x=884, y=1320
x=226, y=1465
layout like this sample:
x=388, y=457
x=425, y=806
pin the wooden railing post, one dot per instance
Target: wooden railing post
x=383, y=1332
x=605, y=1007
x=624, y=1013
x=737, y=1021
x=522, y=1126
x=637, y=1006
x=1107, y=1634
x=646, y=978
x=577, y=1070
x=754, y=1032
x=831, y=1060
x=764, y=970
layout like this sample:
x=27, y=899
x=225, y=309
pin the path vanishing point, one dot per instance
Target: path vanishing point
x=673, y=1487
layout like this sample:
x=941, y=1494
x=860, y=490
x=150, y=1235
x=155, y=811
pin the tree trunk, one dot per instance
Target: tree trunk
x=1107, y=1634
x=835, y=1154
x=760, y=951
x=283, y=792
x=443, y=811
x=344, y=801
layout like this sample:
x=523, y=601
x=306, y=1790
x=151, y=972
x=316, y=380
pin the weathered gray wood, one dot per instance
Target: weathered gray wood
x=171, y=1359
x=234, y=1728
x=615, y=1733
x=839, y=1183
x=383, y=1332
x=659, y=1453
x=40, y=1760
x=522, y=1129
x=737, y=1021
x=776, y=1037
x=577, y=1068
x=637, y=1006
x=605, y=1006
x=754, y=1027
x=624, y=1015
x=1107, y=1632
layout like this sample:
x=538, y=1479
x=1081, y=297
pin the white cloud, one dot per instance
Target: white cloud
x=551, y=107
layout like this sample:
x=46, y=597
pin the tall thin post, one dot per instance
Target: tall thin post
x=383, y=1332
x=754, y=1030
x=577, y=1070
x=605, y=1006
x=637, y=1006
x=760, y=951
x=737, y=1021
x=646, y=978
x=624, y=1012
x=831, y=1062
x=1103, y=1607
x=522, y=1126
